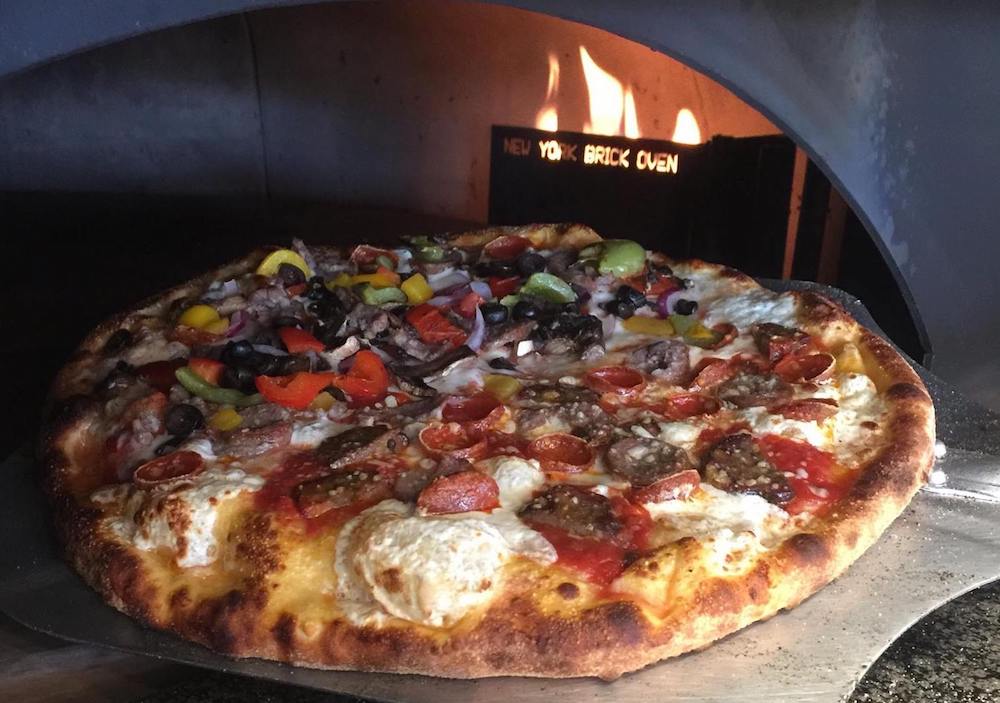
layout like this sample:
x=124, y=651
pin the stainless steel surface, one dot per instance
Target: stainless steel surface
x=943, y=545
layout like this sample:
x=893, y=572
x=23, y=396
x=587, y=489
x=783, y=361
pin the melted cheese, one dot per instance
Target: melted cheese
x=428, y=570
x=518, y=480
x=747, y=309
x=709, y=511
x=179, y=516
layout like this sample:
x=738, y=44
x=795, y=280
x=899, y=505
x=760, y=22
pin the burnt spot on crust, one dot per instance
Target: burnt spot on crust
x=901, y=392
x=391, y=580
x=568, y=590
x=180, y=599
x=626, y=620
x=257, y=545
x=284, y=633
x=719, y=597
x=758, y=583
x=808, y=550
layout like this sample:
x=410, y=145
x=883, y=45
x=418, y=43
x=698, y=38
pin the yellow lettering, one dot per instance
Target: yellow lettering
x=672, y=162
x=550, y=150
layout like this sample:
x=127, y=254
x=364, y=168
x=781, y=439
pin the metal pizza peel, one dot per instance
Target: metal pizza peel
x=946, y=543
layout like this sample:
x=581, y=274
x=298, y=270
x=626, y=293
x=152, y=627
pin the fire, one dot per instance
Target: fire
x=611, y=104
x=686, y=130
x=548, y=117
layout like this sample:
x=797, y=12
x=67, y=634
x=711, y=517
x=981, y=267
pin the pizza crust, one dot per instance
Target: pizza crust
x=544, y=622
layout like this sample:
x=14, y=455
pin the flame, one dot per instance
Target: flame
x=686, y=130
x=631, y=118
x=547, y=118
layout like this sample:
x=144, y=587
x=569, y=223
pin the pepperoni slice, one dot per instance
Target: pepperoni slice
x=614, y=379
x=677, y=486
x=167, y=468
x=808, y=409
x=454, y=440
x=686, y=405
x=826, y=480
x=806, y=367
x=507, y=247
x=460, y=493
x=561, y=452
x=481, y=410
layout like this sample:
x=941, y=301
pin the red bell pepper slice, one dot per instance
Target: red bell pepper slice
x=209, y=369
x=366, y=255
x=467, y=306
x=503, y=286
x=508, y=247
x=297, y=341
x=433, y=327
x=460, y=493
x=295, y=391
x=367, y=382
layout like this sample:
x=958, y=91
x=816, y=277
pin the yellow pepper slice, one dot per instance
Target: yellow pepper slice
x=219, y=326
x=341, y=280
x=501, y=387
x=649, y=325
x=417, y=290
x=381, y=279
x=269, y=266
x=323, y=401
x=199, y=316
x=225, y=419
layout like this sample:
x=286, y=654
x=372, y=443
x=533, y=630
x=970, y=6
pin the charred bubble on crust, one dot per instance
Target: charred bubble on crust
x=808, y=549
x=735, y=464
x=579, y=512
x=642, y=461
x=360, y=443
x=626, y=620
x=567, y=590
x=284, y=632
x=747, y=390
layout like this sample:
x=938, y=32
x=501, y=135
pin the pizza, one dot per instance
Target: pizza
x=516, y=451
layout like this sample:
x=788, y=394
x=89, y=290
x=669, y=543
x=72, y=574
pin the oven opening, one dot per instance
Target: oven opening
x=132, y=165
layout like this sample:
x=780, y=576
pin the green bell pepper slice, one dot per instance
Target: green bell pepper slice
x=549, y=287
x=198, y=386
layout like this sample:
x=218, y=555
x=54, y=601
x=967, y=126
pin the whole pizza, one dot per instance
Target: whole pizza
x=516, y=451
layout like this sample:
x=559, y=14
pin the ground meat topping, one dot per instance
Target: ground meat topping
x=669, y=360
x=359, y=443
x=746, y=390
x=643, y=462
x=578, y=511
x=735, y=464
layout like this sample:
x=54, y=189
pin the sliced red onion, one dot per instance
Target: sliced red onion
x=302, y=250
x=608, y=325
x=665, y=303
x=444, y=300
x=449, y=281
x=482, y=289
x=268, y=349
x=475, y=339
x=237, y=322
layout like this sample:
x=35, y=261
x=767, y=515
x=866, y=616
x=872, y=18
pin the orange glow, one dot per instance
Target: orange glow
x=631, y=118
x=607, y=100
x=547, y=118
x=686, y=130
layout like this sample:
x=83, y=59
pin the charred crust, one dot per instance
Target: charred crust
x=808, y=550
x=567, y=590
x=284, y=633
x=905, y=392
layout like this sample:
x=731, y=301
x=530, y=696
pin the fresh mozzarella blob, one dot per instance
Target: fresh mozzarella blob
x=747, y=309
x=856, y=424
x=428, y=570
x=461, y=376
x=179, y=516
x=709, y=510
x=309, y=433
x=680, y=434
x=763, y=422
x=518, y=480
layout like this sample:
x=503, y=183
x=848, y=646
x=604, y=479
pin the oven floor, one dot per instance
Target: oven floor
x=83, y=257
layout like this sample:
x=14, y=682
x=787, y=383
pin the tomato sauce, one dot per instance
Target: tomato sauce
x=826, y=480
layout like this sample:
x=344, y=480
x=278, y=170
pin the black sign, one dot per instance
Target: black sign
x=725, y=200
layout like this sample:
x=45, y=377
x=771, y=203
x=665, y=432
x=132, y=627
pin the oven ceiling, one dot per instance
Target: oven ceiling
x=896, y=101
